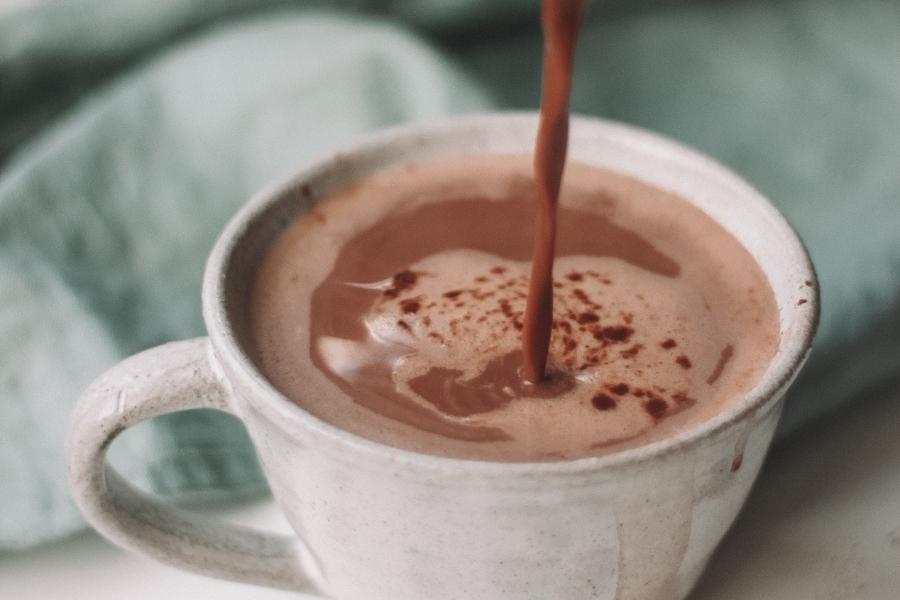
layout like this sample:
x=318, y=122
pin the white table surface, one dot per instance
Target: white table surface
x=822, y=523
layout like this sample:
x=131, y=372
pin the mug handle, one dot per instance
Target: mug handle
x=169, y=378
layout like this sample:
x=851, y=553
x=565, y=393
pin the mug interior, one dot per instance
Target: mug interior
x=733, y=203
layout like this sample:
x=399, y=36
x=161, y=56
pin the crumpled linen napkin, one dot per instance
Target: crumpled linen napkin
x=107, y=217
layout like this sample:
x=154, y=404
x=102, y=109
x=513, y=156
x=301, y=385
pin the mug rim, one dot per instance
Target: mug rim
x=288, y=415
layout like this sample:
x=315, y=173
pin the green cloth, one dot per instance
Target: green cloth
x=131, y=131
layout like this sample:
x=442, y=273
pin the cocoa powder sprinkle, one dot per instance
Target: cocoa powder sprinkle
x=615, y=333
x=656, y=408
x=633, y=351
x=604, y=402
x=401, y=281
x=620, y=389
x=410, y=306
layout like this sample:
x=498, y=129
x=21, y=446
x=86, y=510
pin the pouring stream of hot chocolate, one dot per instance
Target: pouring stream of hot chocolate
x=560, y=21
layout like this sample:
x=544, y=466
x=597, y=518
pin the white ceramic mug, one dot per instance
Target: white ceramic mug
x=378, y=523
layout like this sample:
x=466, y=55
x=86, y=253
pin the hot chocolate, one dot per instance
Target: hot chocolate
x=395, y=311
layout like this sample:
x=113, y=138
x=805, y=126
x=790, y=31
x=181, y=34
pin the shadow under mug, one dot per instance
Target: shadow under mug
x=374, y=522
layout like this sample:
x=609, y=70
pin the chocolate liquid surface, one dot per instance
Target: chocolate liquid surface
x=395, y=311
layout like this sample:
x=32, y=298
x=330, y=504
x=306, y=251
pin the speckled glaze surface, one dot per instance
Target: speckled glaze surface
x=378, y=523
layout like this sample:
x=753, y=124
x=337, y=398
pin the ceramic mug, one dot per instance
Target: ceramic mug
x=374, y=522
